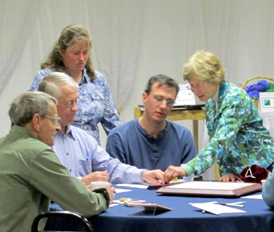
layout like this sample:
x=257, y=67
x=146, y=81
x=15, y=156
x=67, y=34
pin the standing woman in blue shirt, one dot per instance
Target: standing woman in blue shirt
x=71, y=55
x=237, y=136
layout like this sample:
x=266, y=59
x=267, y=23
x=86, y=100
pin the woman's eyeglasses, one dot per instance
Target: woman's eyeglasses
x=197, y=87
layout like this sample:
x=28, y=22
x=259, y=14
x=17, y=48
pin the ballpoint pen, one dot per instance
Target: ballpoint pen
x=232, y=204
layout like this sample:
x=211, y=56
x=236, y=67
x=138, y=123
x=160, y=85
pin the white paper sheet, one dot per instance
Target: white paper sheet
x=122, y=190
x=213, y=207
x=113, y=205
x=133, y=185
x=259, y=196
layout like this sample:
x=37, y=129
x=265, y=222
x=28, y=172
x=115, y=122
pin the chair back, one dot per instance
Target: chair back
x=77, y=220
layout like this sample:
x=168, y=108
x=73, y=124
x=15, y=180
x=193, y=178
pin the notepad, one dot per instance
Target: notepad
x=211, y=188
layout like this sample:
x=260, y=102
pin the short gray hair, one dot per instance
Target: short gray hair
x=26, y=105
x=51, y=83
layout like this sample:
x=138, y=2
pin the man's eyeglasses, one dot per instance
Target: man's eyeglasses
x=159, y=99
x=197, y=87
x=69, y=104
x=55, y=121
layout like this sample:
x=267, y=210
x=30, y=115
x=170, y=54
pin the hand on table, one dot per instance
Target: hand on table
x=230, y=178
x=95, y=176
x=111, y=191
x=172, y=172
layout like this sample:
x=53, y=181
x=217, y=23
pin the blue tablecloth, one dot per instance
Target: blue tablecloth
x=184, y=217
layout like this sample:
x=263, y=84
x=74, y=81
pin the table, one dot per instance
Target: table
x=183, y=217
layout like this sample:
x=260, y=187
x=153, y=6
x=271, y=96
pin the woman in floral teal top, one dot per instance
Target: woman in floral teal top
x=237, y=136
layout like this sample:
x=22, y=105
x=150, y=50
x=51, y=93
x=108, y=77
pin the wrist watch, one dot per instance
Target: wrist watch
x=104, y=192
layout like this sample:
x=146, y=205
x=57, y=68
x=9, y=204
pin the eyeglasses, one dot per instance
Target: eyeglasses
x=56, y=120
x=69, y=104
x=197, y=87
x=159, y=99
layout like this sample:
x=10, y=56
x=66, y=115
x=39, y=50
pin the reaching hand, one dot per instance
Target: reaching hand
x=230, y=178
x=153, y=176
x=95, y=176
x=172, y=172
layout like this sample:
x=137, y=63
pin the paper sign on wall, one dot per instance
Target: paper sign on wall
x=266, y=102
x=185, y=96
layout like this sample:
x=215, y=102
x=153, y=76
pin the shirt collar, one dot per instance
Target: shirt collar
x=159, y=136
x=23, y=130
x=219, y=94
x=85, y=79
x=222, y=88
x=215, y=98
x=69, y=132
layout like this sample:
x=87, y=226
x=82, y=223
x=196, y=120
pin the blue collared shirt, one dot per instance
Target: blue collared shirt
x=81, y=154
x=95, y=103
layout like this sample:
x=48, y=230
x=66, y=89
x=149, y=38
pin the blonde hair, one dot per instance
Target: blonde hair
x=204, y=66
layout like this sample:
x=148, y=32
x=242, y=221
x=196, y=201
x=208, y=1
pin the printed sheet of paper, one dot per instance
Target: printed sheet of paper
x=217, y=209
x=184, y=97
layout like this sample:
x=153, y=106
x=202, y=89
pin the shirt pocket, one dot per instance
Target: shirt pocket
x=84, y=167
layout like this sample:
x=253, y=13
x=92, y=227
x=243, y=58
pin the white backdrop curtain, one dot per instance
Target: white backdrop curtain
x=116, y=31
x=15, y=26
x=130, y=35
x=135, y=39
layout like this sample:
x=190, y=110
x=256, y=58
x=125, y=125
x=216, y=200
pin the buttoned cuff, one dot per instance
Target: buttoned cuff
x=142, y=175
x=136, y=176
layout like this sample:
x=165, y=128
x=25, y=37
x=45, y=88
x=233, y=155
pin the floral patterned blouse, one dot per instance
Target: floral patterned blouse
x=95, y=103
x=237, y=136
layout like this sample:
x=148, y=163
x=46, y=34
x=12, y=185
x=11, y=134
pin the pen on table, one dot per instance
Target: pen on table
x=242, y=206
